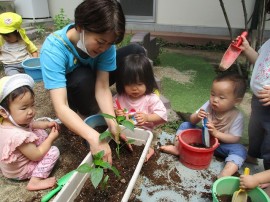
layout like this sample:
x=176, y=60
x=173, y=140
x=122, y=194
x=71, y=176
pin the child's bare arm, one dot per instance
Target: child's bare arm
x=44, y=125
x=34, y=153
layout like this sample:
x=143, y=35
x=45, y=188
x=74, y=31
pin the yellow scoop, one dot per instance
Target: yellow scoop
x=241, y=195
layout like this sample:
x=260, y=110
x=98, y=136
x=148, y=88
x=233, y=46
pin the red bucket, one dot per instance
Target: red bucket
x=194, y=157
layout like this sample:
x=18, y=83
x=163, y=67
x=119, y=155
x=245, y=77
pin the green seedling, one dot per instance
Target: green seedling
x=119, y=120
x=96, y=170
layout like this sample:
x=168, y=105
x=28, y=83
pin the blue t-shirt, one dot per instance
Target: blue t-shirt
x=57, y=59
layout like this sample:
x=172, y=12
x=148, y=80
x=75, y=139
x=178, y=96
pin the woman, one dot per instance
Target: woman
x=79, y=63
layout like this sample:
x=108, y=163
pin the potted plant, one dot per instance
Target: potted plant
x=139, y=137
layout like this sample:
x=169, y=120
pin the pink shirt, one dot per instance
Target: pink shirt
x=148, y=104
x=13, y=163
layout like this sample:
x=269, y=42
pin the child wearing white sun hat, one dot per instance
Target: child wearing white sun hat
x=26, y=150
x=15, y=46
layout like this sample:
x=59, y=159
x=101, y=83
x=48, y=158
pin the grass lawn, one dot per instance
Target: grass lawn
x=189, y=96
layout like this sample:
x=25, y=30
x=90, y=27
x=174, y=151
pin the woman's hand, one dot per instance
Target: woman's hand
x=264, y=95
x=102, y=146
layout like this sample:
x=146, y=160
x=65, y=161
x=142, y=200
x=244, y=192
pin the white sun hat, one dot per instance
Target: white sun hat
x=10, y=83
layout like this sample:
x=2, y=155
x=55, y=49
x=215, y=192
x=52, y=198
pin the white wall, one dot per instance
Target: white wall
x=201, y=16
x=68, y=6
x=206, y=13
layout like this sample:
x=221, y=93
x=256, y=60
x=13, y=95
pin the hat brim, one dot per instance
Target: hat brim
x=6, y=31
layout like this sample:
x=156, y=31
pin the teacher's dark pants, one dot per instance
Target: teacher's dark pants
x=81, y=82
x=259, y=132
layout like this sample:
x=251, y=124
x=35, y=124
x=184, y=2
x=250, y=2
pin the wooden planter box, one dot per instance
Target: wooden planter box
x=73, y=187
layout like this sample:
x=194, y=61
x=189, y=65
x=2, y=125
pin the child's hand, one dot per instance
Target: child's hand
x=54, y=133
x=119, y=112
x=245, y=44
x=264, y=95
x=248, y=182
x=202, y=114
x=141, y=118
x=52, y=124
x=212, y=129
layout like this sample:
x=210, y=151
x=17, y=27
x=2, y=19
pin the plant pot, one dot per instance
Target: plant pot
x=228, y=185
x=73, y=187
x=32, y=68
x=194, y=157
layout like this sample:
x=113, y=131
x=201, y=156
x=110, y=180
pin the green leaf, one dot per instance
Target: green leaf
x=115, y=171
x=128, y=125
x=119, y=119
x=84, y=168
x=96, y=176
x=130, y=141
x=108, y=116
x=102, y=163
x=98, y=155
x=104, y=135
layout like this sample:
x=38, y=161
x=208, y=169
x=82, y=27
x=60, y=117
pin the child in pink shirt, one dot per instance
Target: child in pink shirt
x=135, y=98
x=26, y=149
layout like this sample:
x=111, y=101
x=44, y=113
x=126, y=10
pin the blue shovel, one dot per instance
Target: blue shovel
x=205, y=133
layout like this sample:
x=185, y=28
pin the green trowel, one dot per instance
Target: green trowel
x=61, y=182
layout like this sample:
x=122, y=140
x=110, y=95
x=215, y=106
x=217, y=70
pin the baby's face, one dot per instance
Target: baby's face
x=222, y=97
x=22, y=109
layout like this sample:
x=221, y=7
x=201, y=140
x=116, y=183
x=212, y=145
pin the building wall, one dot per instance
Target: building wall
x=68, y=6
x=186, y=16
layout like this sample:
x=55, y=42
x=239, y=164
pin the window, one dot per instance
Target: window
x=139, y=10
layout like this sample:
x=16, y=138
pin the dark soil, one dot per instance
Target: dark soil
x=116, y=187
x=228, y=198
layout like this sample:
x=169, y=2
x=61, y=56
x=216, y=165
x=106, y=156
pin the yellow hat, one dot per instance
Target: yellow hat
x=9, y=22
x=10, y=83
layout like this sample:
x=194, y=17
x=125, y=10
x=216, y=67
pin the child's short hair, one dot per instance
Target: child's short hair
x=240, y=85
x=100, y=16
x=136, y=68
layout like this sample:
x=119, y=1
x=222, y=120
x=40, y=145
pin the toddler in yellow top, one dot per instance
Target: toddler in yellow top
x=15, y=46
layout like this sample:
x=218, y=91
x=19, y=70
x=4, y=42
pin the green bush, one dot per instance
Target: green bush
x=60, y=20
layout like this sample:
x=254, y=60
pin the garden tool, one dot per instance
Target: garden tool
x=60, y=183
x=118, y=104
x=205, y=133
x=232, y=53
x=241, y=195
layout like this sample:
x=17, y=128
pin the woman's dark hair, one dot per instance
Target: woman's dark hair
x=136, y=68
x=101, y=16
x=240, y=85
x=14, y=94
